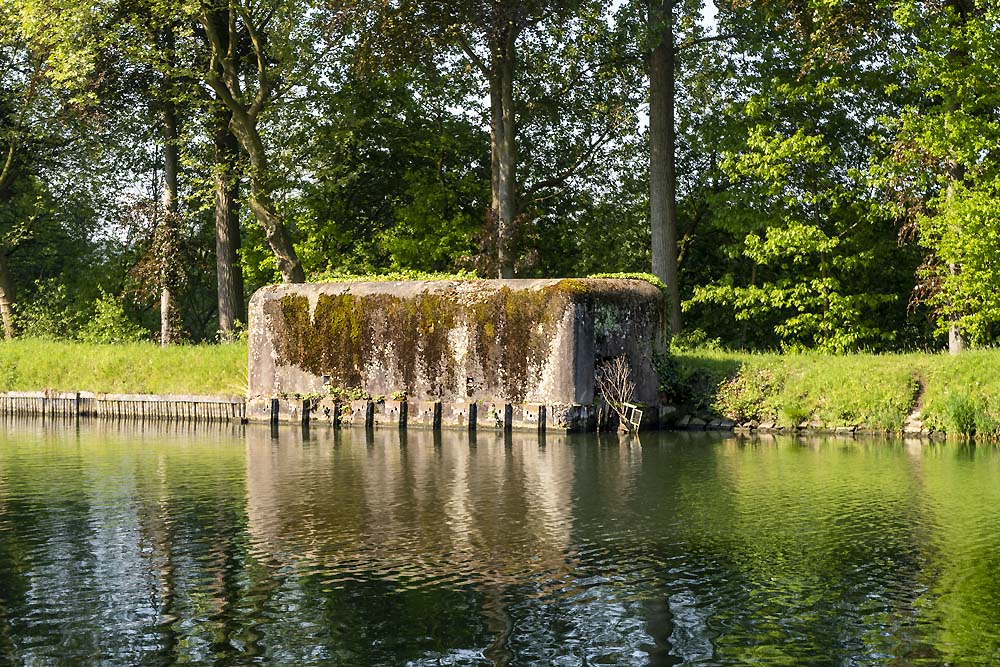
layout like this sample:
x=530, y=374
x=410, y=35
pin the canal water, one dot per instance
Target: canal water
x=242, y=545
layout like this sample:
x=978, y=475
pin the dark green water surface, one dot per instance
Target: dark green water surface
x=239, y=546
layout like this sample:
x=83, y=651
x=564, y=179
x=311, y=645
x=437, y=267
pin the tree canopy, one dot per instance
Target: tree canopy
x=808, y=175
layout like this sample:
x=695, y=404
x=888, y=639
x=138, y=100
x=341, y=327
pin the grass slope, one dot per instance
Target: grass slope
x=34, y=365
x=957, y=394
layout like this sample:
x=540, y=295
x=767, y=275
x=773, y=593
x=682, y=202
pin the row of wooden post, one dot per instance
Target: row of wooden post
x=135, y=407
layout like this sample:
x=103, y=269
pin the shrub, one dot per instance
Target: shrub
x=748, y=395
x=50, y=314
x=672, y=382
x=962, y=413
x=110, y=324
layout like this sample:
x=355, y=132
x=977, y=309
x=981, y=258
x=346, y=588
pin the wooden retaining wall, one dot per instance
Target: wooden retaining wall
x=473, y=415
x=133, y=407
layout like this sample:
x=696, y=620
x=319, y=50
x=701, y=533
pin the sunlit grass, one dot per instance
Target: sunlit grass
x=34, y=365
x=958, y=394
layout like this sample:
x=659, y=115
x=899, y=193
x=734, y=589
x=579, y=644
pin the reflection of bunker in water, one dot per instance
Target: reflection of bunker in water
x=421, y=511
x=485, y=514
x=474, y=352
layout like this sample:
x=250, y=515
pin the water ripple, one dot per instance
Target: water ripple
x=165, y=545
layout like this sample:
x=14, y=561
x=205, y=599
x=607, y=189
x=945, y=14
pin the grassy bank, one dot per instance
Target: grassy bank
x=956, y=394
x=959, y=394
x=33, y=365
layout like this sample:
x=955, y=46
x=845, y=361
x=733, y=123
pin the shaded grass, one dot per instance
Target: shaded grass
x=34, y=365
x=958, y=395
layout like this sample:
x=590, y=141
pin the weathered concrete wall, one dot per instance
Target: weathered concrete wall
x=502, y=341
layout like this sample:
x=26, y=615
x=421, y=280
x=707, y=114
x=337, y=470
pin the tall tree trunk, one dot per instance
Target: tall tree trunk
x=262, y=201
x=169, y=225
x=229, y=275
x=223, y=38
x=504, y=146
x=956, y=342
x=6, y=297
x=959, y=57
x=6, y=284
x=662, y=162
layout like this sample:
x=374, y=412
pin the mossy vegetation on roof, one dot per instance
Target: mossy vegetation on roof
x=388, y=276
x=401, y=275
x=647, y=277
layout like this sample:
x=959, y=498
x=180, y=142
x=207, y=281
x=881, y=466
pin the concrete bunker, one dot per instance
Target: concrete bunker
x=486, y=353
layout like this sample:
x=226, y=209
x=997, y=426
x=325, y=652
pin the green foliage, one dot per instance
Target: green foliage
x=110, y=324
x=672, y=387
x=398, y=180
x=346, y=394
x=794, y=250
x=942, y=172
x=694, y=339
x=51, y=314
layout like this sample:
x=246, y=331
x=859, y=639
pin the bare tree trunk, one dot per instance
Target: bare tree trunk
x=262, y=201
x=504, y=147
x=227, y=228
x=168, y=227
x=662, y=162
x=956, y=342
x=6, y=284
x=962, y=9
x=6, y=298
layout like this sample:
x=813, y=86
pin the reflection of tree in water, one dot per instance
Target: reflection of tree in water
x=817, y=552
x=422, y=548
x=14, y=550
x=71, y=530
x=961, y=603
x=191, y=518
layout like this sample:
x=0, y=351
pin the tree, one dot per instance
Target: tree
x=943, y=169
x=229, y=274
x=514, y=46
x=170, y=225
x=18, y=85
x=664, y=50
x=814, y=258
x=282, y=40
x=662, y=162
x=43, y=148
